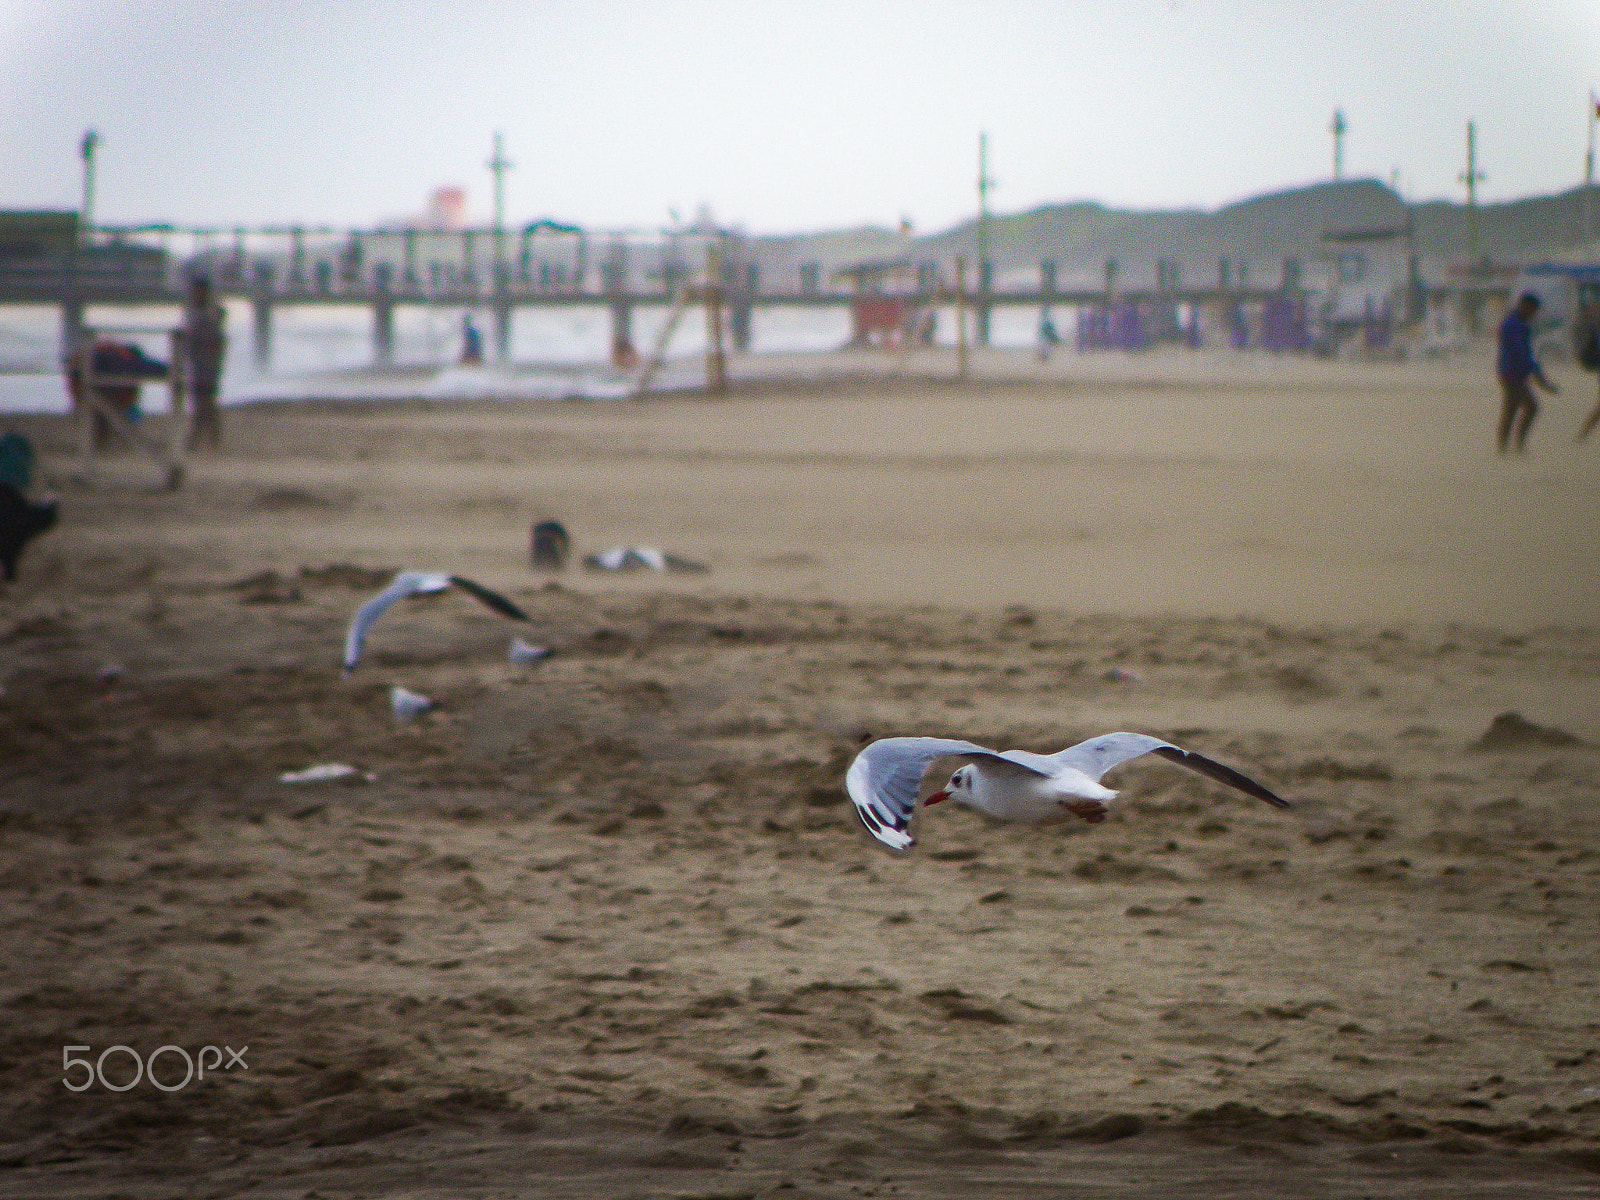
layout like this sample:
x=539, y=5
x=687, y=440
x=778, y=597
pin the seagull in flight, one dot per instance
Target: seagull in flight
x=1011, y=785
x=414, y=583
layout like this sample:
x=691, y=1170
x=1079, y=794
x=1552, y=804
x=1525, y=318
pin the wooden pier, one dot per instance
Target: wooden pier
x=382, y=295
x=544, y=266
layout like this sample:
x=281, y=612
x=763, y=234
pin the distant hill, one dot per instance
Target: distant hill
x=1258, y=233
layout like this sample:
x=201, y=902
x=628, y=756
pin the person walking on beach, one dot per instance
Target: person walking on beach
x=1049, y=339
x=1517, y=367
x=204, y=346
x=471, y=342
x=1586, y=336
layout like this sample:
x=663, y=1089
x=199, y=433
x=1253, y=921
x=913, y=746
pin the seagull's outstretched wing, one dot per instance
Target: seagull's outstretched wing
x=493, y=599
x=406, y=583
x=1099, y=754
x=884, y=779
x=411, y=583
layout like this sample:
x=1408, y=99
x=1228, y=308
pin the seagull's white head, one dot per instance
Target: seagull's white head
x=963, y=784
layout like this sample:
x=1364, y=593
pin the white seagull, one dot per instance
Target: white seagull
x=1010, y=785
x=412, y=583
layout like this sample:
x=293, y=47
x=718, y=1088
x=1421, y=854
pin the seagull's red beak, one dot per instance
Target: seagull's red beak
x=941, y=794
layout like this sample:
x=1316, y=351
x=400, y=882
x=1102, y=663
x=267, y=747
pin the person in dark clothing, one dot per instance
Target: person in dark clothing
x=1517, y=366
x=1586, y=338
x=21, y=519
x=471, y=342
x=1049, y=339
x=205, y=345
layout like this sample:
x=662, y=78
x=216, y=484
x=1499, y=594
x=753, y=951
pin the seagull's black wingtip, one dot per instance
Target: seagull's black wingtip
x=489, y=598
x=1222, y=773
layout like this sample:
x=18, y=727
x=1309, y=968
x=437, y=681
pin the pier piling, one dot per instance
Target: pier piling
x=716, y=357
x=614, y=277
x=985, y=301
x=382, y=314
x=746, y=283
x=961, y=318
x=261, y=316
x=501, y=315
x=72, y=331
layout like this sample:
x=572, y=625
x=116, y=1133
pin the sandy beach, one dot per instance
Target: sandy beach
x=607, y=925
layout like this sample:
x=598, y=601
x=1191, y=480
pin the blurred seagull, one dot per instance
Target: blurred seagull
x=415, y=583
x=1010, y=785
x=627, y=559
x=521, y=654
x=407, y=705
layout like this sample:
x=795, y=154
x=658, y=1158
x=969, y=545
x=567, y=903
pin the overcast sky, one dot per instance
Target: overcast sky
x=783, y=116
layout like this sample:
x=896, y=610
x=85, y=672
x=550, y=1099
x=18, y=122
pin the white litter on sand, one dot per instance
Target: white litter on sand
x=326, y=773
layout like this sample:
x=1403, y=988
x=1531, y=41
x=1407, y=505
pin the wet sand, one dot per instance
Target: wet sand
x=606, y=925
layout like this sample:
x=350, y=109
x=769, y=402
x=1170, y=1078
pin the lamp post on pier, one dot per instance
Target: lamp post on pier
x=1591, y=112
x=498, y=166
x=1472, y=177
x=985, y=268
x=72, y=302
x=86, y=148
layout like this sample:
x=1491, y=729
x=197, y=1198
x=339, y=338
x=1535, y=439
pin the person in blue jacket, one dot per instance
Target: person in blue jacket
x=471, y=342
x=1517, y=366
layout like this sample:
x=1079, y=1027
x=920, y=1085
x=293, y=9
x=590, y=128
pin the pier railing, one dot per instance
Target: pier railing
x=543, y=261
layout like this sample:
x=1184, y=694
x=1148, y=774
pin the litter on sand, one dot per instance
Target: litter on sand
x=326, y=773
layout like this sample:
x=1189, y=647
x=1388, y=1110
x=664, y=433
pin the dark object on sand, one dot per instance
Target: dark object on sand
x=549, y=545
x=21, y=520
x=1511, y=731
